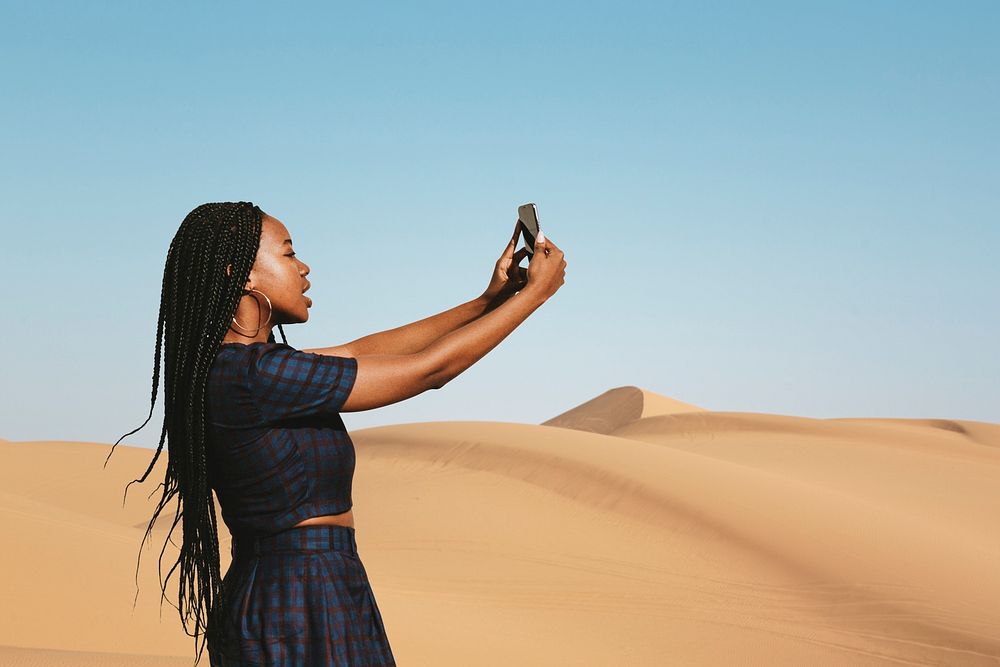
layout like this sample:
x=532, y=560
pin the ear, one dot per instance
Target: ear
x=229, y=272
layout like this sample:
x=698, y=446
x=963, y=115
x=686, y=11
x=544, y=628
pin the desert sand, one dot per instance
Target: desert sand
x=634, y=529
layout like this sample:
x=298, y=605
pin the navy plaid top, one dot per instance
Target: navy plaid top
x=278, y=450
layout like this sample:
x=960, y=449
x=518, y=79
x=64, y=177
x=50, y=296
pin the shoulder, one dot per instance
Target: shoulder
x=278, y=362
x=255, y=350
x=253, y=357
x=273, y=361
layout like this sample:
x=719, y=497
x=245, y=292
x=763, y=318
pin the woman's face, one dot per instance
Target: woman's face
x=279, y=274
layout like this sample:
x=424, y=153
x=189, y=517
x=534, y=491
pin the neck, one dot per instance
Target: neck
x=234, y=336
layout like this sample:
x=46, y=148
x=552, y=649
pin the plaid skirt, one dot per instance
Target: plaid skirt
x=299, y=598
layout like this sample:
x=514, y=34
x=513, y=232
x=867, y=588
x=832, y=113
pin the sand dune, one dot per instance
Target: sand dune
x=632, y=530
x=616, y=408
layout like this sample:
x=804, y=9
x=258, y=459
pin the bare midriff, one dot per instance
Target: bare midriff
x=345, y=519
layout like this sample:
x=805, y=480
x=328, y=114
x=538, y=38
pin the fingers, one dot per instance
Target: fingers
x=544, y=245
x=509, y=250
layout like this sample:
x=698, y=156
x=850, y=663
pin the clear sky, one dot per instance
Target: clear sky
x=771, y=207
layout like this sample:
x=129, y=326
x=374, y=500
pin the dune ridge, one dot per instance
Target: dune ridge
x=618, y=407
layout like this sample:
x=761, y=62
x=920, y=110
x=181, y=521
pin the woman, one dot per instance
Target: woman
x=259, y=423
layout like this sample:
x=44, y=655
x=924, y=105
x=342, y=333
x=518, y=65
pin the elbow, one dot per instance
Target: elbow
x=436, y=376
x=436, y=382
x=439, y=367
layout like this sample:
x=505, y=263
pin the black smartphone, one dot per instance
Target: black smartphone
x=527, y=214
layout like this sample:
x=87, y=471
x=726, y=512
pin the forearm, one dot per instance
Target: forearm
x=453, y=353
x=416, y=336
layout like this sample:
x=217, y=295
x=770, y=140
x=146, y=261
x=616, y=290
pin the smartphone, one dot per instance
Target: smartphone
x=527, y=214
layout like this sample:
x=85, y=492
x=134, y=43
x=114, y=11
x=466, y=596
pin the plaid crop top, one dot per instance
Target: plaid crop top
x=278, y=450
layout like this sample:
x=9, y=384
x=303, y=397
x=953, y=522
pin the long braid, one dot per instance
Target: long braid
x=197, y=302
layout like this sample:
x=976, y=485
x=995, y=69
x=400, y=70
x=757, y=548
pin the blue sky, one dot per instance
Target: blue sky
x=772, y=207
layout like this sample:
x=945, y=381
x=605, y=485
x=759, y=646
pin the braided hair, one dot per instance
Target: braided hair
x=198, y=299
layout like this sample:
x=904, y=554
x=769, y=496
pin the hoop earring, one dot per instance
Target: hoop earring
x=259, y=325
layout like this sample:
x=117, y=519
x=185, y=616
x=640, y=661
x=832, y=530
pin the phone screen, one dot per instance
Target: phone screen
x=528, y=215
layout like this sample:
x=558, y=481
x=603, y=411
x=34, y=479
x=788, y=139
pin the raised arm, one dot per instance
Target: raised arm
x=454, y=353
x=413, y=337
x=410, y=338
x=383, y=379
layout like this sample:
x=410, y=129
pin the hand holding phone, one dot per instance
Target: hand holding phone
x=544, y=277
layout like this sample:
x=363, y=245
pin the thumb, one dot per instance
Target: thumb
x=540, y=241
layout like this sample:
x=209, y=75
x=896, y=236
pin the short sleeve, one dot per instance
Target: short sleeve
x=286, y=383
